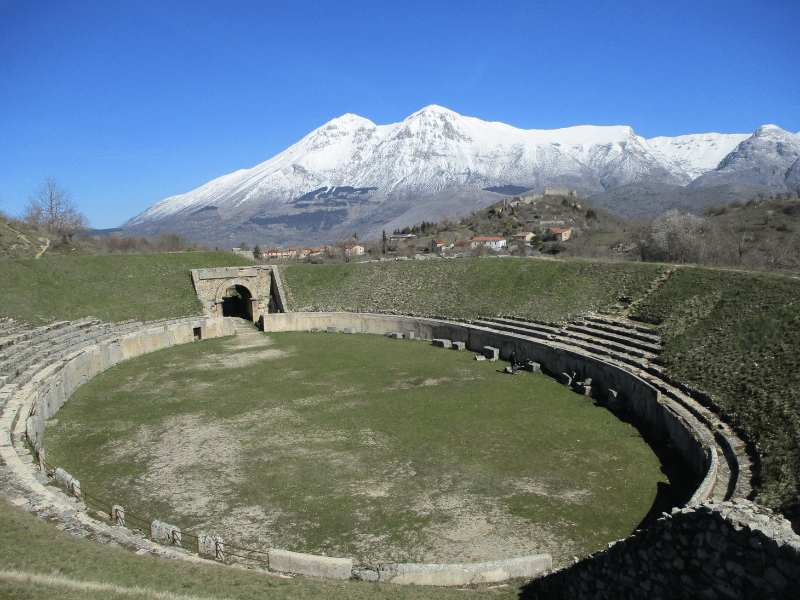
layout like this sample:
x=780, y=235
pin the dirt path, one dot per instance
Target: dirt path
x=655, y=285
x=23, y=237
x=45, y=247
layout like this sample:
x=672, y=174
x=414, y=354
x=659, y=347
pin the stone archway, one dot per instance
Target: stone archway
x=258, y=291
x=237, y=302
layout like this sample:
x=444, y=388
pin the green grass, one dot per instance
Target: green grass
x=736, y=335
x=607, y=239
x=109, y=287
x=359, y=446
x=468, y=288
x=33, y=545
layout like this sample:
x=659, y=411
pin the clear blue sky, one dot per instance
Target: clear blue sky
x=127, y=103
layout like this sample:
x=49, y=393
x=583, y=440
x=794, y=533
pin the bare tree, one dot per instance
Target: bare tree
x=53, y=208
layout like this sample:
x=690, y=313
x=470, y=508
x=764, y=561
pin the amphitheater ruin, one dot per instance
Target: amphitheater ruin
x=719, y=541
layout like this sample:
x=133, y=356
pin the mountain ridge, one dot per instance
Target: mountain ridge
x=435, y=151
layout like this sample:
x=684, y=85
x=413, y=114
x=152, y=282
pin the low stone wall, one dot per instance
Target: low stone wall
x=735, y=550
x=46, y=392
x=24, y=408
x=40, y=398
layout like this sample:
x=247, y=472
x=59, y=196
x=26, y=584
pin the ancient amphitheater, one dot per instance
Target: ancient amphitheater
x=719, y=542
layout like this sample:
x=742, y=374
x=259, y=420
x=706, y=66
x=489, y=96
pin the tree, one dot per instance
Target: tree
x=257, y=251
x=383, y=242
x=53, y=208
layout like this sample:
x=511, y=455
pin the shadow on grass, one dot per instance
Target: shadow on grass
x=679, y=490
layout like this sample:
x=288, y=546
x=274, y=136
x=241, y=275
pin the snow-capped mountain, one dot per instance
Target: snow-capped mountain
x=698, y=153
x=352, y=174
x=763, y=158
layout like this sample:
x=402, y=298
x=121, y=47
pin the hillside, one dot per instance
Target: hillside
x=110, y=287
x=732, y=334
x=19, y=240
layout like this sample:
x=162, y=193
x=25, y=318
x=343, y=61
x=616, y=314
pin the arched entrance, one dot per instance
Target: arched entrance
x=237, y=302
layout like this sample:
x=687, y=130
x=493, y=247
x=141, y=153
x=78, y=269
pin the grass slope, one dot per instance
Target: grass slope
x=468, y=288
x=736, y=335
x=110, y=287
x=32, y=545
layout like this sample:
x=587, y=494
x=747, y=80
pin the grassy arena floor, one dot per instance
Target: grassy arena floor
x=357, y=446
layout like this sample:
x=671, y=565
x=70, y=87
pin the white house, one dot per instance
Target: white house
x=492, y=242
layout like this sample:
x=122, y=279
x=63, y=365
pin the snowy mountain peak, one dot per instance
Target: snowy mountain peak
x=772, y=131
x=351, y=171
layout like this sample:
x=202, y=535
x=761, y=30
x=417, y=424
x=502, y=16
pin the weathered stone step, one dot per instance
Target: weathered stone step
x=585, y=328
x=602, y=352
x=624, y=325
x=552, y=333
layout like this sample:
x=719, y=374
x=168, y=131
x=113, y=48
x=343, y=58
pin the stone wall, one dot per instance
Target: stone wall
x=729, y=549
x=263, y=283
x=732, y=550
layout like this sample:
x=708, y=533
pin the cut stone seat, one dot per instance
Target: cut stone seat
x=459, y=345
x=546, y=332
x=24, y=366
x=603, y=352
x=442, y=343
x=491, y=353
x=618, y=328
x=46, y=336
x=601, y=341
x=349, y=330
x=632, y=326
x=615, y=337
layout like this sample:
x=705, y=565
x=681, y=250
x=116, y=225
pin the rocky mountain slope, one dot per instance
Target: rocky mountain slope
x=352, y=175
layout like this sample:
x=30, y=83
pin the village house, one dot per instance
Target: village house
x=277, y=253
x=317, y=251
x=492, y=242
x=299, y=251
x=441, y=245
x=559, y=234
x=523, y=236
x=462, y=245
x=354, y=250
x=403, y=237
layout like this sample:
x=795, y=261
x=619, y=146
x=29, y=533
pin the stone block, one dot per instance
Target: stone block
x=395, y=336
x=531, y=366
x=315, y=330
x=164, y=532
x=285, y=561
x=566, y=379
x=491, y=353
x=349, y=330
x=480, y=357
x=442, y=343
x=465, y=573
x=459, y=345
x=409, y=335
x=333, y=329
x=207, y=544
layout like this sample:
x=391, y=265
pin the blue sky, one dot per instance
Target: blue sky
x=127, y=103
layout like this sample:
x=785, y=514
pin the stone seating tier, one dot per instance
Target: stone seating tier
x=594, y=349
